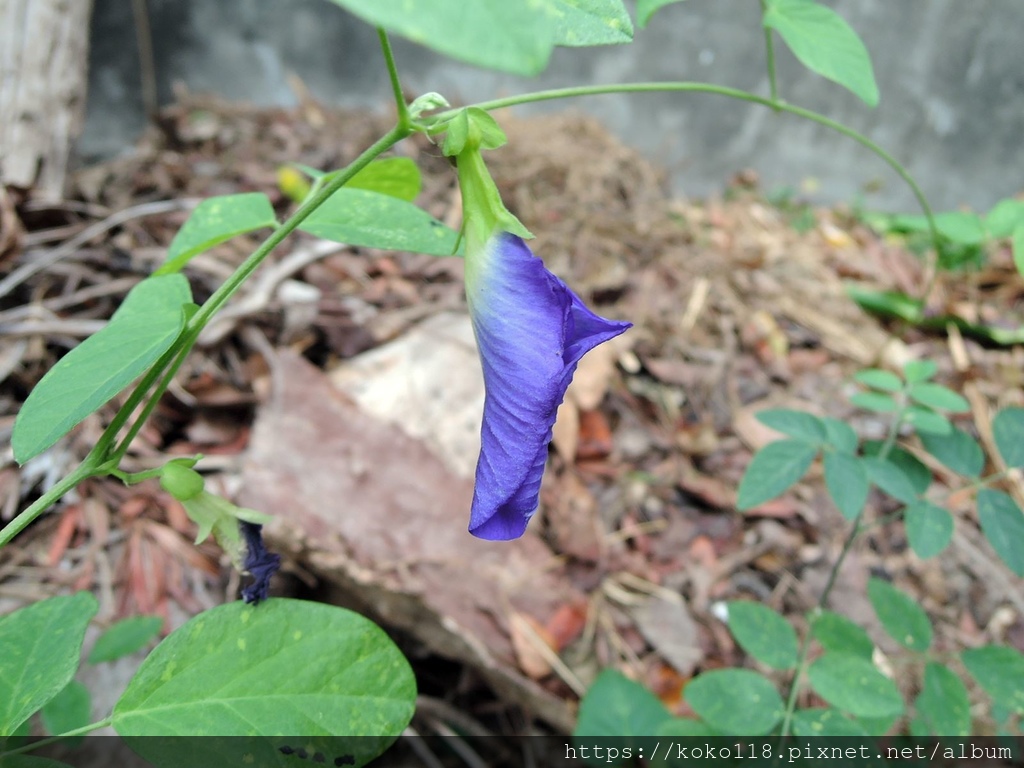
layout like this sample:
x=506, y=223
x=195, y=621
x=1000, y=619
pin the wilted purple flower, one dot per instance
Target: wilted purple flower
x=259, y=562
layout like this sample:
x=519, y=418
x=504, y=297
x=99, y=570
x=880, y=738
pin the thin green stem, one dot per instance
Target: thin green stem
x=436, y=123
x=396, y=85
x=769, y=47
x=21, y=521
x=55, y=739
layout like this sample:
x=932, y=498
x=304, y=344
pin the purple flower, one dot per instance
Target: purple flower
x=532, y=331
x=259, y=562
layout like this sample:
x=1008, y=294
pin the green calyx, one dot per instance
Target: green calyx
x=180, y=480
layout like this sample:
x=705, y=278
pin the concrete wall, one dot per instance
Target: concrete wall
x=950, y=72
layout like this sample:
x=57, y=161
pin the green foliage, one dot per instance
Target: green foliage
x=824, y=43
x=214, y=221
x=798, y=424
x=847, y=481
x=513, y=37
x=763, y=633
x=1000, y=671
x=125, y=638
x=285, y=668
x=397, y=177
x=929, y=528
x=369, y=219
x=140, y=331
x=1007, y=431
x=615, y=705
x=1002, y=522
x=851, y=683
x=957, y=450
x=901, y=617
x=891, y=478
x=737, y=702
x=838, y=634
x=68, y=710
x=645, y=9
x=773, y=469
x=825, y=722
x=942, y=708
x=879, y=379
x=41, y=647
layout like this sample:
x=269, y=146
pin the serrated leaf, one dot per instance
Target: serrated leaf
x=645, y=9
x=873, y=401
x=998, y=669
x=943, y=707
x=284, y=668
x=890, y=478
x=143, y=328
x=216, y=220
x=738, y=702
x=1008, y=432
x=764, y=634
x=878, y=379
x=927, y=421
x=397, y=177
x=1004, y=218
x=1002, y=522
x=901, y=616
x=929, y=528
x=799, y=424
x=69, y=710
x=824, y=43
x=937, y=396
x=838, y=634
x=125, y=637
x=616, y=704
x=825, y=722
x=41, y=647
x=773, y=469
x=851, y=683
x=957, y=450
x=591, y=22
x=372, y=220
x=840, y=435
x=919, y=370
x=847, y=483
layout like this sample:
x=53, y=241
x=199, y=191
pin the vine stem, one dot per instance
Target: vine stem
x=436, y=124
x=404, y=120
x=769, y=47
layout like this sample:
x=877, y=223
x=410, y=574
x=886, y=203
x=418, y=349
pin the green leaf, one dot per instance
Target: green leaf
x=215, y=221
x=942, y=706
x=591, y=22
x=847, y=483
x=738, y=702
x=851, y=683
x=614, y=704
x=142, y=329
x=41, y=648
x=837, y=634
x=887, y=303
x=799, y=424
x=682, y=726
x=1004, y=218
x=878, y=379
x=69, y=710
x=773, y=469
x=957, y=450
x=917, y=473
x=393, y=176
x=372, y=220
x=824, y=43
x=900, y=615
x=512, y=37
x=764, y=634
x=961, y=228
x=1002, y=522
x=1000, y=671
x=840, y=435
x=647, y=8
x=125, y=637
x=824, y=722
x=929, y=528
x=1008, y=431
x=284, y=668
x=890, y=478
x=937, y=396
x=919, y=370
x=927, y=421
x=873, y=401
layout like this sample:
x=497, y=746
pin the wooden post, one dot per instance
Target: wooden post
x=44, y=47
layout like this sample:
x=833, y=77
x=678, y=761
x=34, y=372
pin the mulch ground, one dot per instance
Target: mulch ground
x=738, y=305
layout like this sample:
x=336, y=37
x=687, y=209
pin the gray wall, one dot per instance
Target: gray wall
x=950, y=72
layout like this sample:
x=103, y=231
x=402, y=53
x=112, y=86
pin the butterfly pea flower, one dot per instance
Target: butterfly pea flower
x=532, y=331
